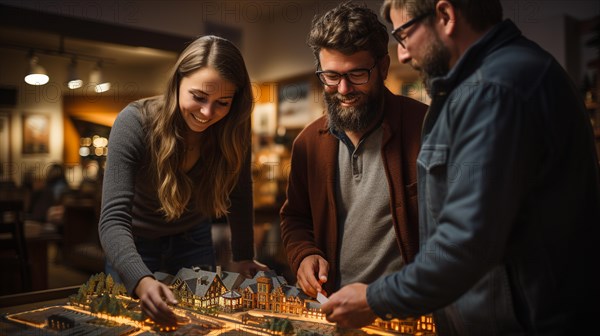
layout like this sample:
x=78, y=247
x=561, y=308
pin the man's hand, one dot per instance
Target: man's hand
x=154, y=299
x=348, y=307
x=248, y=268
x=312, y=273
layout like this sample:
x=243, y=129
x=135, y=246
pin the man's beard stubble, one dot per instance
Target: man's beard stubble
x=435, y=63
x=354, y=118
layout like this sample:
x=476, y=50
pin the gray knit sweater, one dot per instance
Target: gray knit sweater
x=130, y=202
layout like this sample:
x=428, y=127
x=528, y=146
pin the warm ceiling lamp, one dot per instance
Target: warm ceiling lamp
x=97, y=79
x=37, y=74
x=74, y=81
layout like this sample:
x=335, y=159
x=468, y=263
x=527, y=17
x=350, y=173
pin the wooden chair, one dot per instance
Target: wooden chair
x=13, y=245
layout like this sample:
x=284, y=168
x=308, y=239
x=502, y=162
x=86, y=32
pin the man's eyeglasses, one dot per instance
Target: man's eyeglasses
x=356, y=76
x=398, y=33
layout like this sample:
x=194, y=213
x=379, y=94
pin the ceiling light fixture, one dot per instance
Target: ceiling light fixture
x=97, y=79
x=37, y=74
x=74, y=81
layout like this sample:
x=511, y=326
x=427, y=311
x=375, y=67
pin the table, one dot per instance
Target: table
x=13, y=303
x=37, y=239
x=37, y=245
x=16, y=303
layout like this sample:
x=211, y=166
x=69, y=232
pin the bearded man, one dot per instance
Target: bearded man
x=503, y=250
x=351, y=208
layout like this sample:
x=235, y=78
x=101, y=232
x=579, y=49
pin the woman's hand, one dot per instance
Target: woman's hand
x=248, y=268
x=155, y=298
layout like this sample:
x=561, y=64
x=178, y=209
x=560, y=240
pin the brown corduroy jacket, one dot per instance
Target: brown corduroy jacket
x=308, y=216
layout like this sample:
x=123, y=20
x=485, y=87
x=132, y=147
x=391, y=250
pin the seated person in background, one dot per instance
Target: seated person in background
x=351, y=196
x=6, y=183
x=91, y=182
x=90, y=187
x=46, y=203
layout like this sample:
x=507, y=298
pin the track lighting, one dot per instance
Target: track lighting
x=37, y=74
x=97, y=79
x=73, y=79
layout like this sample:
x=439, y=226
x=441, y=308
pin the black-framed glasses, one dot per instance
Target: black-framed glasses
x=356, y=76
x=398, y=33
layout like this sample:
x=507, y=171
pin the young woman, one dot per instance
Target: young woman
x=174, y=162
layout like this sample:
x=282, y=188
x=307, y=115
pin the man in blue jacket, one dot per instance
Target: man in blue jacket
x=509, y=191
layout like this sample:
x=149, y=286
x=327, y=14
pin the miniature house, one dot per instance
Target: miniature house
x=231, y=301
x=197, y=288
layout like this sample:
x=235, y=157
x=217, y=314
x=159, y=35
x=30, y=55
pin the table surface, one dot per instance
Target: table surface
x=26, y=302
x=15, y=303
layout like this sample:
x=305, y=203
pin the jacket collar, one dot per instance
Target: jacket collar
x=471, y=60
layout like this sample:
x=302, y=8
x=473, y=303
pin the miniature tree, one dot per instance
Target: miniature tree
x=305, y=332
x=285, y=326
x=115, y=307
x=100, y=286
x=281, y=325
x=103, y=303
x=80, y=297
x=110, y=282
x=90, y=286
x=119, y=289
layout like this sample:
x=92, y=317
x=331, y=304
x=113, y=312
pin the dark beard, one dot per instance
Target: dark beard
x=436, y=63
x=356, y=118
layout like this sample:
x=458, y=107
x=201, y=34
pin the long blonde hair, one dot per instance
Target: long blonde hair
x=225, y=145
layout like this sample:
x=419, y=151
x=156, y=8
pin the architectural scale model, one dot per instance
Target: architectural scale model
x=210, y=303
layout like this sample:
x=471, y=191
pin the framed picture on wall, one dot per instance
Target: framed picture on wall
x=36, y=134
x=298, y=102
x=264, y=119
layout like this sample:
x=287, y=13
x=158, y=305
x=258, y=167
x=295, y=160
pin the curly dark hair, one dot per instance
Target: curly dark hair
x=349, y=28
